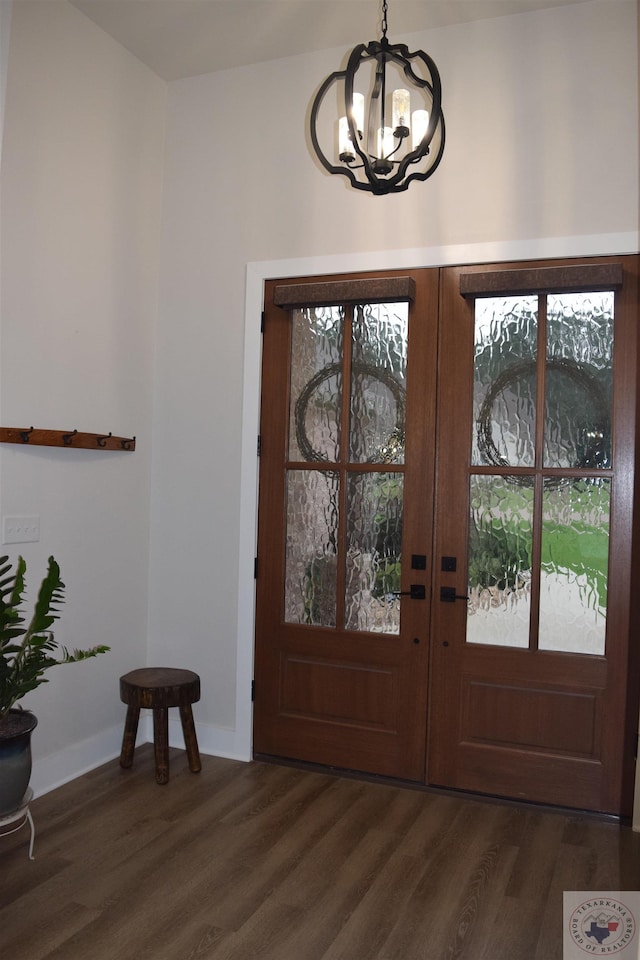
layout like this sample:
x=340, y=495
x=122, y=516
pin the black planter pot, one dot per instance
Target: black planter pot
x=15, y=758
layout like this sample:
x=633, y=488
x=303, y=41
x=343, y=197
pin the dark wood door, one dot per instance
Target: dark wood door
x=507, y=498
x=345, y=526
x=531, y=668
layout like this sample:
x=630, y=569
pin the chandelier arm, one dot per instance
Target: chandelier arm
x=401, y=54
x=330, y=167
x=421, y=174
x=359, y=53
x=434, y=86
x=414, y=157
x=319, y=97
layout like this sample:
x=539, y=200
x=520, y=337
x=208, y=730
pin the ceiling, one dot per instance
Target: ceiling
x=185, y=38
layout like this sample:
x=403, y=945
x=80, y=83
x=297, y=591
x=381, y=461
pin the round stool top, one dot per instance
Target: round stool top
x=159, y=687
x=159, y=677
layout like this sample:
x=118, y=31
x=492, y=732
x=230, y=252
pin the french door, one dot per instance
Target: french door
x=444, y=539
x=347, y=460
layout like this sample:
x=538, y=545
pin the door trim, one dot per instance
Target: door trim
x=239, y=743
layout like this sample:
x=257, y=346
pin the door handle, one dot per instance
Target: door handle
x=449, y=595
x=416, y=591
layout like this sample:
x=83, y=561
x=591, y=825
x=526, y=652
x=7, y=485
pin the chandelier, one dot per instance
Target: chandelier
x=384, y=140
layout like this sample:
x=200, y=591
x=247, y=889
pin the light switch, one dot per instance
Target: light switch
x=20, y=529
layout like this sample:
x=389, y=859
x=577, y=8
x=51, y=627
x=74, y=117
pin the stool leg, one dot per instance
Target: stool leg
x=129, y=738
x=190, y=739
x=161, y=743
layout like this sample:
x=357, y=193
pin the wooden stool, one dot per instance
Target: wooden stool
x=158, y=688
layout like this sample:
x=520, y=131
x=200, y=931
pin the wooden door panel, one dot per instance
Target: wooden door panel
x=338, y=711
x=351, y=694
x=527, y=717
x=532, y=777
x=346, y=708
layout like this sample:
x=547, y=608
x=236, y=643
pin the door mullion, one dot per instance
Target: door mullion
x=345, y=423
x=538, y=487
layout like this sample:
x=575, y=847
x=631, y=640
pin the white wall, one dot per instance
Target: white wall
x=6, y=10
x=542, y=142
x=81, y=213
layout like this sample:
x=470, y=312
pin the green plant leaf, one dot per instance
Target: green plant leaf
x=26, y=653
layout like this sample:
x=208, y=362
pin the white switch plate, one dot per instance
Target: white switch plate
x=20, y=529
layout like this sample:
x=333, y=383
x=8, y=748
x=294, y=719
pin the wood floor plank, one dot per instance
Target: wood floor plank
x=52, y=924
x=336, y=889
x=572, y=864
x=429, y=917
x=264, y=862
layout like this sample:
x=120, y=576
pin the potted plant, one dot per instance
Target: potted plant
x=27, y=651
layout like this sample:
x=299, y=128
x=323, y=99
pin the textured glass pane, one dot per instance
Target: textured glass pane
x=578, y=380
x=378, y=373
x=316, y=383
x=499, y=562
x=312, y=530
x=374, y=544
x=504, y=387
x=575, y=554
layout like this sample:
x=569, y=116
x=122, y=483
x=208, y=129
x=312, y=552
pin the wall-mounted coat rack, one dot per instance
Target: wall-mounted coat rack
x=65, y=438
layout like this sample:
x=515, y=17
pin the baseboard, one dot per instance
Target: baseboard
x=212, y=741
x=60, y=767
x=77, y=759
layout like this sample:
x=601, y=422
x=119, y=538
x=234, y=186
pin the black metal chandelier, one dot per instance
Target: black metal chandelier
x=373, y=153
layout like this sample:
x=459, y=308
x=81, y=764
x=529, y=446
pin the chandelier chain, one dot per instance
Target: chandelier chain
x=385, y=10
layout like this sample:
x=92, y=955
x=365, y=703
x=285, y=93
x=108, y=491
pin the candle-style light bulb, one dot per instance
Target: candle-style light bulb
x=400, y=103
x=345, y=147
x=419, y=124
x=385, y=147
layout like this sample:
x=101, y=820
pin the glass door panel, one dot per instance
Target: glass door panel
x=378, y=382
x=504, y=382
x=539, y=538
x=574, y=566
x=500, y=549
x=374, y=552
x=317, y=338
x=369, y=522
x=579, y=376
x=311, y=547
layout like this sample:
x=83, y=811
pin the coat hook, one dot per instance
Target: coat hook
x=102, y=441
x=24, y=435
x=126, y=444
x=68, y=437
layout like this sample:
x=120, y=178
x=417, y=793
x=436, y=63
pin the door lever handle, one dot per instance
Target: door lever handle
x=417, y=591
x=449, y=595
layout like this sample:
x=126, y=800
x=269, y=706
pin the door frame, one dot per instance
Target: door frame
x=238, y=743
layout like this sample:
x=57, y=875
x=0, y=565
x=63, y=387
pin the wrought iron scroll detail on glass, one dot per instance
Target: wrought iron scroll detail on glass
x=374, y=154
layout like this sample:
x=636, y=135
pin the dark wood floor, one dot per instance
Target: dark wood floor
x=249, y=861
